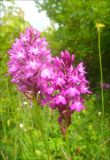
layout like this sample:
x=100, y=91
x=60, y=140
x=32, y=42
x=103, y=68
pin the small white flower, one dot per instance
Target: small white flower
x=25, y=103
x=99, y=113
x=21, y=125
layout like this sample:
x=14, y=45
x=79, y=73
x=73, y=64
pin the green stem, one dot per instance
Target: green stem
x=67, y=142
x=101, y=77
x=41, y=127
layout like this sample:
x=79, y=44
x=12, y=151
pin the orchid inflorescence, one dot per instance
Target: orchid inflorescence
x=58, y=83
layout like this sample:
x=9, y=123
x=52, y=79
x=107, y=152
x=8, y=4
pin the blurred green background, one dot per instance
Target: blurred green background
x=72, y=28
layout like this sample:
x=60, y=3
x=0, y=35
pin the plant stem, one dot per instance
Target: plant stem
x=41, y=127
x=67, y=142
x=101, y=76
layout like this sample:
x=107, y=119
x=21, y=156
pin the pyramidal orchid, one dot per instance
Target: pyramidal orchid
x=59, y=83
x=28, y=55
x=65, y=87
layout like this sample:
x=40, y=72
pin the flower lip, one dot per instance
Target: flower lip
x=77, y=106
x=60, y=100
x=46, y=73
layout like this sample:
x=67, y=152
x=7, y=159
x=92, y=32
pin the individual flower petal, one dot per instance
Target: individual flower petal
x=46, y=73
x=60, y=100
x=49, y=90
x=77, y=106
x=81, y=68
x=72, y=91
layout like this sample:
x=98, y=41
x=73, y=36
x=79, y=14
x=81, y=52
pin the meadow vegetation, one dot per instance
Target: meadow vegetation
x=29, y=132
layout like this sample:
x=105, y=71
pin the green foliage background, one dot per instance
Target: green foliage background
x=26, y=133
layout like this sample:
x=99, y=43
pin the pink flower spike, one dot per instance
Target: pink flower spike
x=28, y=58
